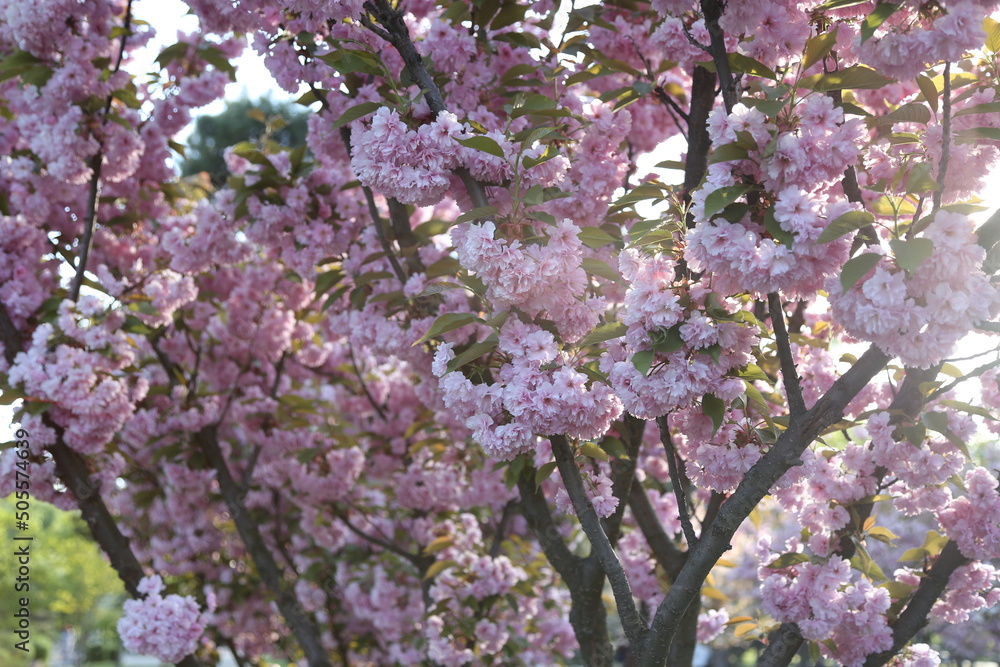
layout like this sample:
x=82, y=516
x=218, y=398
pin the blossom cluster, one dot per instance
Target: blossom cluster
x=541, y=280
x=411, y=166
x=536, y=393
x=791, y=168
x=167, y=627
x=77, y=368
x=920, y=315
x=694, y=349
x=827, y=604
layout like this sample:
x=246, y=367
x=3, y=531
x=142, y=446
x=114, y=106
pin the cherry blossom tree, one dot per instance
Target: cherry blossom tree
x=463, y=381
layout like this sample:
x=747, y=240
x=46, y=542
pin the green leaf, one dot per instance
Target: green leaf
x=595, y=237
x=787, y=560
x=854, y=77
x=350, y=61
x=907, y=113
x=845, y=224
x=863, y=562
x=604, y=332
x=971, y=409
x=217, y=59
x=892, y=206
x=728, y=153
x=484, y=144
x=855, y=268
x=472, y=353
x=643, y=360
x=544, y=473
x=598, y=268
x=777, y=232
x=912, y=253
x=741, y=63
x=987, y=107
x=614, y=447
x=134, y=325
x=723, y=197
x=992, y=29
x=593, y=374
x=478, y=214
x=817, y=47
x=437, y=288
x=327, y=280
x=919, y=179
x=882, y=534
x=916, y=554
x=992, y=133
x=666, y=341
x=882, y=11
x=839, y=4
x=439, y=544
x=714, y=407
x=438, y=567
x=930, y=92
x=169, y=54
x=448, y=322
x=355, y=112
x=591, y=450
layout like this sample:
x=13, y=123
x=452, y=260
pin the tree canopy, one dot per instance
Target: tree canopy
x=462, y=380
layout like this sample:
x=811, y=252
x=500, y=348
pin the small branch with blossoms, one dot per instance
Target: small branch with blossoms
x=756, y=484
x=796, y=405
x=675, y=481
x=392, y=28
x=635, y=627
x=302, y=625
x=914, y=617
x=96, y=161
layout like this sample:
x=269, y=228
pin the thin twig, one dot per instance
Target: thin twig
x=712, y=10
x=364, y=387
x=632, y=622
x=664, y=550
x=796, y=404
x=96, y=163
x=945, y=138
x=383, y=239
x=675, y=481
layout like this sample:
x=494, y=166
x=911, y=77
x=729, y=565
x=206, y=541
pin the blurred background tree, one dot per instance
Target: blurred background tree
x=243, y=120
x=72, y=584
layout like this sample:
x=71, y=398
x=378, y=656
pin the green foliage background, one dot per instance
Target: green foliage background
x=243, y=120
x=71, y=583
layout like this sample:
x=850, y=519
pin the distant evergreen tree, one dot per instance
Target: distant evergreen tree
x=242, y=120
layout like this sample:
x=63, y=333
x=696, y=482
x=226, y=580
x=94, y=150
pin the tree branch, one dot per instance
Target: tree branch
x=623, y=474
x=712, y=10
x=383, y=239
x=71, y=469
x=698, y=140
x=945, y=138
x=756, y=484
x=96, y=162
x=914, y=617
x=539, y=516
x=393, y=29
x=299, y=621
x=666, y=553
x=675, y=481
x=796, y=405
x=635, y=627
